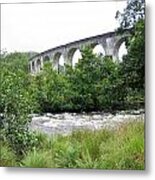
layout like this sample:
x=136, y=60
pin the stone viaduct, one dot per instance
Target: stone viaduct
x=110, y=42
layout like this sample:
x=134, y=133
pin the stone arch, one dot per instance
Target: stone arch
x=92, y=45
x=61, y=63
x=76, y=56
x=33, y=66
x=56, y=59
x=111, y=43
x=117, y=46
x=46, y=59
x=73, y=56
x=38, y=63
x=98, y=49
x=122, y=51
x=70, y=56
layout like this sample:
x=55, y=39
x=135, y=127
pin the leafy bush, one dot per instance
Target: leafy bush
x=52, y=90
x=17, y=101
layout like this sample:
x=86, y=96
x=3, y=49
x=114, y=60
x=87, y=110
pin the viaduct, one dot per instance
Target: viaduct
x=110, y=42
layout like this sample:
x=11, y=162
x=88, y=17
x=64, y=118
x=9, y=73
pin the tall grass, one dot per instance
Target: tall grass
x=104, y=149
x=7, y=157
x=38, y=159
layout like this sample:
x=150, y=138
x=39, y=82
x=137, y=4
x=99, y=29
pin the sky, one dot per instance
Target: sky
x=38, y=27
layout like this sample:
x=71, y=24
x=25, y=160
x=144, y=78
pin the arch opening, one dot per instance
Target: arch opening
x=61, y=63
x=33, y=66
x=56, y=58
x=29, y=67
x=75, y=57
x=38, y=65
x=46, y=59
x=99, y=50
x=122, y=51
x=70, y=56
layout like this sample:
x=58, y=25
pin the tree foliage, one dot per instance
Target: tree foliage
x=93, y=84
x=16, y=102
x=133, y=65
x=134, y=11
x=52, y=90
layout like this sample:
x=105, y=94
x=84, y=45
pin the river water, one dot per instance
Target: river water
x=66, y=123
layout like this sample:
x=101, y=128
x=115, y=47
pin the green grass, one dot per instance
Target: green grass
x=38, y=159
x=121, y=149
x=7, y=157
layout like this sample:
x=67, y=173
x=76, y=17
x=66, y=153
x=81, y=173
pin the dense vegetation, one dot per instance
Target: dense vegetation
x=104, y=149
x=95, y=84
x=17, y=100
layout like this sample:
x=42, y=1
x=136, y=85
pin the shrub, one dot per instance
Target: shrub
x=52, y=90
x=17, y=102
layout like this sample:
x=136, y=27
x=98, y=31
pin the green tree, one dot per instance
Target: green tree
x=133, y=66
x=53, y=90
x=134, y=11
x=134, y=62
x=94, y=82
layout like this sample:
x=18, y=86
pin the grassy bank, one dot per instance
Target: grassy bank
x=104, y=149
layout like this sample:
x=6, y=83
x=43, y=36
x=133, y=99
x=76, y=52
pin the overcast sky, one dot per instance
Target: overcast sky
x=38, y=27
